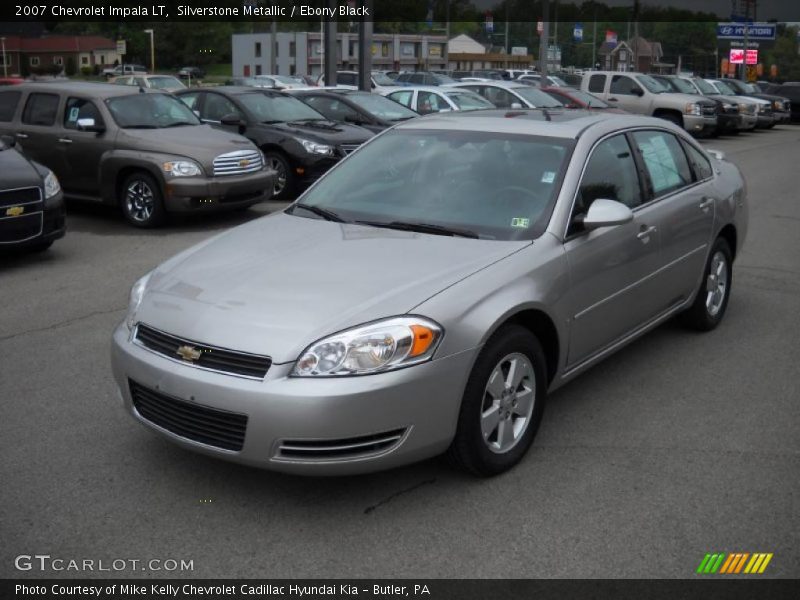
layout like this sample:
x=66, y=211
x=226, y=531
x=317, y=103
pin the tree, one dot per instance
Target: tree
x=71, y=68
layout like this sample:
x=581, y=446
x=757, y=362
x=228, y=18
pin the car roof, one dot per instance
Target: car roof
x=427, y=88
x=104, y=90
x=235, y=90
x=567, y=124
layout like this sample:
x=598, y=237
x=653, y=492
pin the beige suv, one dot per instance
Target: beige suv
x=641, y=94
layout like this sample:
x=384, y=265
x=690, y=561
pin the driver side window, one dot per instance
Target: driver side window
x=215, y=107
x=621, y=84
x=610, y=173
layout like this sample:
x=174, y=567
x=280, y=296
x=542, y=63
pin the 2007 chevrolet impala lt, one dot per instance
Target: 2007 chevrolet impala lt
x=426, y=293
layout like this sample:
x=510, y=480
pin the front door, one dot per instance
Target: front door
x=611, y=268
x=82, y=151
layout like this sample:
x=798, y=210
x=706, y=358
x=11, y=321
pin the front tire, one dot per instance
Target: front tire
x=672, y=118
x=141, y=200
x=284, y=179
x=502, y=404
x=712, y=298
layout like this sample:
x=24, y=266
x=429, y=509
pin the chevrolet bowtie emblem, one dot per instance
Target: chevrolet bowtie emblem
x=243, y=163
x=15, y=211
x=189, y=353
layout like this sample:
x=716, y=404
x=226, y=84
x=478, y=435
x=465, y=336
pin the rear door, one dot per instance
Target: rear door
x=597, y=85
x=38, y=130
x=9, y=104
x=611, y=268
x=681, y=183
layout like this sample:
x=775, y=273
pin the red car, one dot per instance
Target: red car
x=11, y=80
x=572, y=98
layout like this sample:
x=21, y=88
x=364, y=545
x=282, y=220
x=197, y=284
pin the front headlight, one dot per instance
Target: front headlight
x=373, y=348
x=777, y=105
x=137, y=293
x=692, y=109
x=51, y=185
x=182, y=168
x=727, y=106
x=315, y=148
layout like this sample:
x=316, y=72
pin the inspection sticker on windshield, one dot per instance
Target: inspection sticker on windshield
x=548, y=177
x=73, y=113
x=521, y=222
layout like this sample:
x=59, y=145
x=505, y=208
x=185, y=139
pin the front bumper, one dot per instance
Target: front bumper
x=53, y=225
x=765, y=120
x=191, y=194
x=748, y=122
x=421, y=402
x=697, y=124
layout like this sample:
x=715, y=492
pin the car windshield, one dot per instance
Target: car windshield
x=497, y=186
x=558, y=80
x=465, y=100
x=652, y=85
x=150, y=111
x=682, y=85
x=440, y=79
x=160, y=83
x=724, y=88
x=268, y=108
x=383, y=79
x=704, y=86
x=284, y=79
x=537, y=97
x=381, y=107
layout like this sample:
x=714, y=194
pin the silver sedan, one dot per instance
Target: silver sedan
x=427, y=293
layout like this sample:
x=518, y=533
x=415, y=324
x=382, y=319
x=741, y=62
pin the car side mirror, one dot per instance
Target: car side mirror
x=233, y=120
x=516, y=105
x=604, y=213
x=637, y=92
x=8, y=140
x=88, y=124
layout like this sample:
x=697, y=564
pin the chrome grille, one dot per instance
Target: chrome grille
x=211, y=426
x=230, y=362
x=340, y=449
x=349, y=148
x=19, y=196
x=709, y=109
x=236, y=163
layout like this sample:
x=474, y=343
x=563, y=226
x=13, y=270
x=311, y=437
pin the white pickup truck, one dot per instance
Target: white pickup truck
x=124, y=70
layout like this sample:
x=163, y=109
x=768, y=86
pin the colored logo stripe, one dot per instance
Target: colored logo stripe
x=734, y=563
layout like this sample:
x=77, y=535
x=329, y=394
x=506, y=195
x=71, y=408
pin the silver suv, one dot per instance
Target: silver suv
x=641, y=94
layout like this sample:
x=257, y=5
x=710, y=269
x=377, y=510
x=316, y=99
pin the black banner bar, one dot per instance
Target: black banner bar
x=398, y=11
x=419, y=589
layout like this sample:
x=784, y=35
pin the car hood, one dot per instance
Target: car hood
x=327, y=132
x=17, y=171
x=278, y=284
x=679, y=97
x=201, y=143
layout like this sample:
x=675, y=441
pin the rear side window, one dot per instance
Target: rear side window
x=610, y=173
x=79, y=108
x=347, y=78
x=664, y=160
x=8, y=105
x=40, y=109
x=216, y=107
x=403, y=98
x=702, y=166
x=597, y=83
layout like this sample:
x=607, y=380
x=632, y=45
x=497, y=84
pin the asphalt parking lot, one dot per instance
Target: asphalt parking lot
x=679, y=445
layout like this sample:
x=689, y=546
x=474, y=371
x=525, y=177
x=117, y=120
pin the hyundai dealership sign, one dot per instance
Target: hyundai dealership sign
x=755, y=31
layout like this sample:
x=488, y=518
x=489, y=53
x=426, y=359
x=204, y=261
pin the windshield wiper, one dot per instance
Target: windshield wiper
x=326, y=214
x=422, y=228
x=140, y=127
x=272, y=122
x=178, y=124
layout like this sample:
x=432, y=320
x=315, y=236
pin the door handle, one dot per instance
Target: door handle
x=706, y=204
x=22, y=136
x=645, y=232
x=613, y=100
x=64, y=140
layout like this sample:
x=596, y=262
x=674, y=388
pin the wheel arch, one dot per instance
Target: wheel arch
x=729, y=234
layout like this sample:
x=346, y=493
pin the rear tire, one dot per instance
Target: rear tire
x=672, y=118
x=715, y=289
x=141, y=200
x=502, y=404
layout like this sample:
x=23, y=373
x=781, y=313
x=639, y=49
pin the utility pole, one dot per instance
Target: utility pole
x=365, y=50
x=635, y=48
x=447, y=35
x=594, y=40
x=543, y=40
x=746, y=38
x=5, y=65
x=273, y=51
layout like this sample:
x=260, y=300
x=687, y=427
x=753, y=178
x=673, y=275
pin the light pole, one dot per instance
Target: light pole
x=152, y=51
x=5, y=66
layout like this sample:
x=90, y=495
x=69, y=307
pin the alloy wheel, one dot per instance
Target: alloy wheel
x=280, y=180
x=139, y=201
x=508, y=403
x=716, y=284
